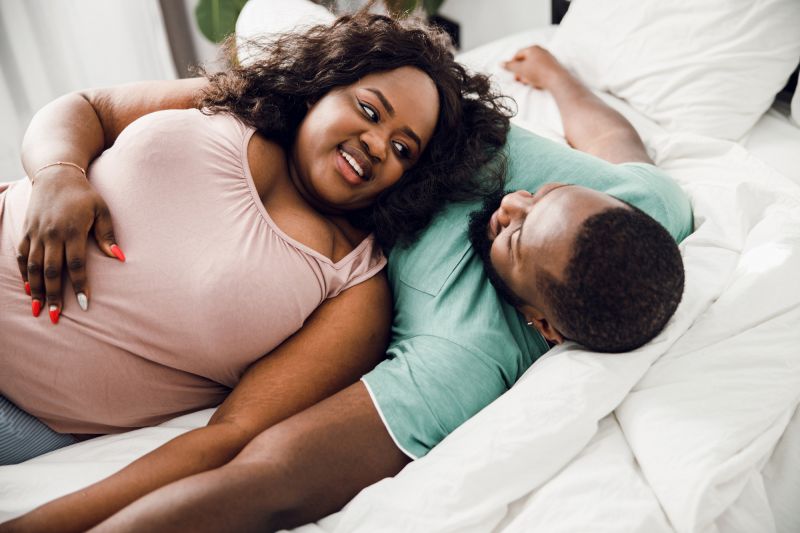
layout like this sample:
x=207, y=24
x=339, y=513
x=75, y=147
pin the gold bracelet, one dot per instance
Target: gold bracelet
x=60, y=163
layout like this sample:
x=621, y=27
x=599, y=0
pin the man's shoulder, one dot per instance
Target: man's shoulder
x=458, y=305
x=427, y=262
x=534, y=160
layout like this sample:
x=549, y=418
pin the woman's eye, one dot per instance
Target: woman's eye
x=369, y=111
x=402, y=150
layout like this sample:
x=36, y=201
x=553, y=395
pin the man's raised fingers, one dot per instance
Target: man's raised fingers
x=76, y=268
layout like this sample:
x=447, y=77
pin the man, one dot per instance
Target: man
x=578, y=246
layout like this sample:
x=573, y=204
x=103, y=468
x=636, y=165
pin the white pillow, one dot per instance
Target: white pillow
x=707, y=66
x=268, y=17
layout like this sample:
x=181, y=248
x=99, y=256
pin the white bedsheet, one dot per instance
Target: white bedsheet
x=688, y=433
x=775, y=139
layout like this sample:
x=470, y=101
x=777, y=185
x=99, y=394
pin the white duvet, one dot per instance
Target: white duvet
x=697, y=431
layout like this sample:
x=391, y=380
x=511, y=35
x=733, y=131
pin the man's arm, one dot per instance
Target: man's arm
x=344, y=338
x=589, y=124
x=295, y=472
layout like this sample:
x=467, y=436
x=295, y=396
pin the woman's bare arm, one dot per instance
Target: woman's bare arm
x=64, y=208
x=78, y=126
x=344, y=338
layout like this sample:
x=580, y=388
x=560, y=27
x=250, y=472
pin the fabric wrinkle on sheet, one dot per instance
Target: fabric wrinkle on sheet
x=232, y=285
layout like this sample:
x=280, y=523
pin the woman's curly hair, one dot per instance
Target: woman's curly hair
x=273, y=90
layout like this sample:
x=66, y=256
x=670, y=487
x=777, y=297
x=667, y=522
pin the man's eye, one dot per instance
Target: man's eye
x=402, y=150
x=369, y=111
x=513, y=244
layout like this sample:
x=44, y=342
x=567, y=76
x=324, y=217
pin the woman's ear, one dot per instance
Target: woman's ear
x=547, y=330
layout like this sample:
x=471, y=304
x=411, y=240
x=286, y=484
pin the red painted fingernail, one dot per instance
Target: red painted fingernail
x=54, y=312
x=117, y=252
x=36, y=307
x=27, y=288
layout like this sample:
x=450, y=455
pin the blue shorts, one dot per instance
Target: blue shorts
x=24, y=437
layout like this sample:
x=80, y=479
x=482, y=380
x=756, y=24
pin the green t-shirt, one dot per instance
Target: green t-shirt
x=456, y=346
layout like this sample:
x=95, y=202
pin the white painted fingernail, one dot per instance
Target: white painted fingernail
x=83, y=301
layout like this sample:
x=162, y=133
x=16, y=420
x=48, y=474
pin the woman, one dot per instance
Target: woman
x=367, y=125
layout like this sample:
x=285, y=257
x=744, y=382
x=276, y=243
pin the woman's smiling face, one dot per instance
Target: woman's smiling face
x=358, y=140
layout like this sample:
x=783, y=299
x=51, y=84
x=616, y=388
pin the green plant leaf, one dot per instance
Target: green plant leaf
x=217, y=18
x=432, y=6
x=400, y=8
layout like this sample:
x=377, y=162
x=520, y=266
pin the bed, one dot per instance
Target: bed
x=698, y=431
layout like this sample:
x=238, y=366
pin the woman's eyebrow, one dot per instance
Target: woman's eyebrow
x=390, y=109
x=383, y=100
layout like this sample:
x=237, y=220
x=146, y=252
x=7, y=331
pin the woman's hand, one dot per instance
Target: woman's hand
x=63, y=207
x=534, y=66
x=62, y=210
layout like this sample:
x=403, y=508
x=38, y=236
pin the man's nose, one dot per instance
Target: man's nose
x=513, y=206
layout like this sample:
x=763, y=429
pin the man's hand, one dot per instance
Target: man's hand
x=534, y=66
x=590, y=125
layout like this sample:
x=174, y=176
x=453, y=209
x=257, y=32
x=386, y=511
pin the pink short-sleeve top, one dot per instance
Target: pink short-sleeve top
x=210, y=284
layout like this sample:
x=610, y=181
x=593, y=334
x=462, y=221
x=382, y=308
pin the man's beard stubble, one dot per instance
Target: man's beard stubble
x=478, y=228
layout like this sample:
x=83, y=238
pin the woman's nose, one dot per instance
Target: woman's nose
x=375, y=144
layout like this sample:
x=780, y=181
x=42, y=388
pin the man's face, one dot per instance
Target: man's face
x=528, y=234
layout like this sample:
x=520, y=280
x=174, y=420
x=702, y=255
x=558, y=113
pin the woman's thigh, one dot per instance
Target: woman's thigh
x=24, y=437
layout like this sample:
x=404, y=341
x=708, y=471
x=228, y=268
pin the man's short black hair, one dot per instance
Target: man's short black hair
x=622, y=284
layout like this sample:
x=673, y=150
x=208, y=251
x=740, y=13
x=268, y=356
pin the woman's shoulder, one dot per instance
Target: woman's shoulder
x=267, y=162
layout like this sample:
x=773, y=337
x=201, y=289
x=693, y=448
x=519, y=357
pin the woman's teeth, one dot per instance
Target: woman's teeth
x=352, y=162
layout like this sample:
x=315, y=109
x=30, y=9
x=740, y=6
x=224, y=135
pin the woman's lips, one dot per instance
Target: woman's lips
x=360, y=159
x=348, y=172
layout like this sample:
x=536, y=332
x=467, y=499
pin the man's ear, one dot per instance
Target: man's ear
x=547, y=330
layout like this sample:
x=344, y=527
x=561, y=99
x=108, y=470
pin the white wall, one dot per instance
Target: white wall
x=486, y=20
x=50, y=47
x=481, y=20
x=207, y=52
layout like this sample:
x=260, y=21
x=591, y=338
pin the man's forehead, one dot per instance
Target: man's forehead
x=548, y=233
